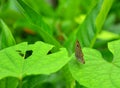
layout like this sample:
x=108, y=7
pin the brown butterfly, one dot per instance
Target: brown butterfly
x=78, y=52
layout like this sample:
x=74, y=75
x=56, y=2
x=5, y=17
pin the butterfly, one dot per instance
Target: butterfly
x=78, y=52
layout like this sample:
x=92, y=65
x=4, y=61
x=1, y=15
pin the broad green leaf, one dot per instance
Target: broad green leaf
x=40, y=26
x=88, y=31
x=6, y=37
x=16, y=65
x=97, y=72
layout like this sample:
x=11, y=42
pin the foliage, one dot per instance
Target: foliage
x=37, y=43
x=97, y=70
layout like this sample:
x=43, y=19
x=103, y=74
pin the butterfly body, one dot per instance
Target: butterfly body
x=78, y=52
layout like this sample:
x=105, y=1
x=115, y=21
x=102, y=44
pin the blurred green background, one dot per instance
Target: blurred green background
x=63, y=18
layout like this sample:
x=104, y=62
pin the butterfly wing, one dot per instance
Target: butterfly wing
x=78, y=52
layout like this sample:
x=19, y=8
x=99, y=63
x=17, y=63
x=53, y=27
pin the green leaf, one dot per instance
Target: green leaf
x=6, y=37
x=16, y=65
x=88, y=31
x=9, y=82
x=40, y=26
x=33, y=16
x=97, y=72
x=34, y=80
x=114, y=48
x=42, y=7
x=7, y=40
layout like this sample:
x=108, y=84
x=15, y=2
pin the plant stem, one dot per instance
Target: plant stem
x=20, y=82
x=73, y=84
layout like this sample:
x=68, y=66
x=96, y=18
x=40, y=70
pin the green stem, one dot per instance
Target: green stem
x=20, y=83
x=73, y=84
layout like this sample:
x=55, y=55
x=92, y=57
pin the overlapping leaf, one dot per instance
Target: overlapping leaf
x=97, y=72
x=13, y=62
x=88, y=31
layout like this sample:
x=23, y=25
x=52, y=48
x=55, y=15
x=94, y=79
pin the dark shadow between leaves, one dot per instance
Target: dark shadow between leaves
x=107, y=55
